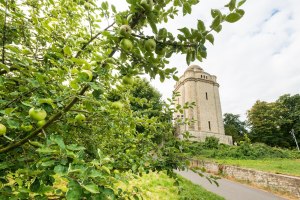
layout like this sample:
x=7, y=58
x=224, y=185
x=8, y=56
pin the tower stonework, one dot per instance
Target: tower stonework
x=198, y=86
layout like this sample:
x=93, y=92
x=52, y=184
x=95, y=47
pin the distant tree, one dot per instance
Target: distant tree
x=271, y=123
x=290, y=117
x=234, y=126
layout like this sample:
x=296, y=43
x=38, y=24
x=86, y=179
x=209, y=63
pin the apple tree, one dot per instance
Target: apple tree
x=59, y=62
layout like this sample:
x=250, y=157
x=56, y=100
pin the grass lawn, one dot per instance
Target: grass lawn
x=278, y=166
x=158, y=186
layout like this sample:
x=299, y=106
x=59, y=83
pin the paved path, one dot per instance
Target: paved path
x=230, y=190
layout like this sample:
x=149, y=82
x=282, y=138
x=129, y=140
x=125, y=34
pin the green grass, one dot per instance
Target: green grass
x=158, y=186
x=278, y=166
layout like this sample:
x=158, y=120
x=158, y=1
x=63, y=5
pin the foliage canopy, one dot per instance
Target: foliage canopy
x=58, y=56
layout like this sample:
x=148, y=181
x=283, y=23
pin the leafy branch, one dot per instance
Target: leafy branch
x=74, y=100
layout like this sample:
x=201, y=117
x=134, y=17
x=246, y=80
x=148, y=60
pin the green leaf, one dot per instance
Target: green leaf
x=13, y=48
x=46, y=150
x=60, y=170
x=188, y=57
x=104, y=5
x=92, y=188
x=153, y=26
x=210, y=38
x=8, y=111
x=113, y=8
x=240, y=11
x=233, y=17
x=94, y=173
x=79, y=61
x=48, y=163
x=231, y=5
x=3, y=66
x=13, y=123
x=67, y=51
x=215, y=13
x=162, y=34
x=241, y=3
x=187, y=9
x=74, y=191
x=218, y=29
x=75, y=147
x=34, y=187
x=58, y=140
x=216, y=22
x=201, y=26
x=4, y=165
x=175, y=78
x=185, y=31
x=106, y=169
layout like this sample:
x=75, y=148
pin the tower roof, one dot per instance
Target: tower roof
x=194, y=68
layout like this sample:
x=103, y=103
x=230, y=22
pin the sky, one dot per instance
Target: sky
x=256, y=58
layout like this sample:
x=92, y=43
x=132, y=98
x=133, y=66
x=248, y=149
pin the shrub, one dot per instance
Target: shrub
x=211, y=143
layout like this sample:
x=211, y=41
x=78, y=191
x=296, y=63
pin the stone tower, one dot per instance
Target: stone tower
x=198, y=86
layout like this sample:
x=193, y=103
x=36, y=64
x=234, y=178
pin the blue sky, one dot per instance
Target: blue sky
x=257, y=58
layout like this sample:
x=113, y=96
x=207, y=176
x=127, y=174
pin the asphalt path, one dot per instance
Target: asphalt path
x=228, y=189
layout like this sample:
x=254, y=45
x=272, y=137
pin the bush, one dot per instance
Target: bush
x=245, y=150
x=211, y=143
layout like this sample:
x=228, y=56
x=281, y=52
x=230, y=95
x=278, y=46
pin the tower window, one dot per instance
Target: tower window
x=209, y=127
x=206, y=95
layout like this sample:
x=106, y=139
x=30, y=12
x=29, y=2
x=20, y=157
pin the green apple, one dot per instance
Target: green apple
x=2, y=129
x=80, y=118
x=26, y=128
x=127, y=80
x=125, y=30
x=41, y=123
x=147, y=4
x=150, y=45
x=87, y=74
x=126, y=44
x=37, y=114
x=117, y=105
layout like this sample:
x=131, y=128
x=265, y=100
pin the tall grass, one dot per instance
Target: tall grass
x=159, y=186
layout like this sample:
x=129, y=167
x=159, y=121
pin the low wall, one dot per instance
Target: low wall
x=279, y=182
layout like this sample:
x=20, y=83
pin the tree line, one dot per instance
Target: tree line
x=268, y=122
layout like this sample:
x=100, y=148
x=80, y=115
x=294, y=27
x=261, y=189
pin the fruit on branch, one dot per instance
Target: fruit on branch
x=125, y=30
x=2, y=129
x=37, y=114
x=150, y=45
x=117, y=105
x=126, y=45
x=80, y=118
x=41, y=123
x=127, y=80
x=87, y=74
x=26, y=128
x=147, y=4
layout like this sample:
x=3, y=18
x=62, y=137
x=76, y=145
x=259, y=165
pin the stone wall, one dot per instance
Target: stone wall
x=279, y=182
